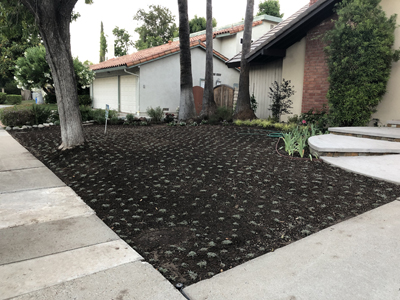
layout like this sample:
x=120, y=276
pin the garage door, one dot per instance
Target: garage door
x=105, y=91
x=128, y=94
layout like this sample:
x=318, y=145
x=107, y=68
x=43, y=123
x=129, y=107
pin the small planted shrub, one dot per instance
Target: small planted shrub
x=86, y=113
x=50, y=99
x=280, y=95
x=169, y=118
x=320, y=118
x=14, y=99
x=99, y=115
x=222, y=113
x=41, y=114
x=253, y=103
x=130, y=118
x=85, y=100
x=17, y=117
x=156, y=114
x=3, y=98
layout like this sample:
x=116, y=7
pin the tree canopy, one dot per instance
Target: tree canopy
x=360, y=54
x=103, y=44
x=18, y=32
x=33, y=71
x=200, y=23
x=122, y=41
x=157, y=29
x=270, y=7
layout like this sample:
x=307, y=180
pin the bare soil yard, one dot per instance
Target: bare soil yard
x=196, y=201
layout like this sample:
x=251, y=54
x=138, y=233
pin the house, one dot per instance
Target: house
x=293, y=50
x=151, y=77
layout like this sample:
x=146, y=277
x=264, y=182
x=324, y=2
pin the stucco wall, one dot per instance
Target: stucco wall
x=159, y=84
x=293, y=70
x=160, y=80
x=389, y=108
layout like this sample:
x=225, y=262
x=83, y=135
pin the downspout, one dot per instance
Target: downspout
x=138, y=88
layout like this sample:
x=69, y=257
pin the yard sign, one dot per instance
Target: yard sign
x=107, y=109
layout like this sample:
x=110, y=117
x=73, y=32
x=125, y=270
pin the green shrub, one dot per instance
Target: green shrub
x=86, y=113
x=14, y=99
x=54, y=117
x=11, y=88
x=50, y=99
x=253, y=103
x=360, y=54
x=319, y=118
x=99, y=115
x=3, y=98
x=130, y=118
x=41, y=114
x=16, y=117
x=296, y=139
x=222, y=113
x=156, y=114
x=85, y=100
x=280, y=95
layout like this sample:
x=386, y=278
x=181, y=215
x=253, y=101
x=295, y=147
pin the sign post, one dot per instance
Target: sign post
x=107, y=109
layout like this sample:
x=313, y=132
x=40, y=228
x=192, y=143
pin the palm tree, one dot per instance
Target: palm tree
x=243, y=109
x=209, y=106
x=187, y=109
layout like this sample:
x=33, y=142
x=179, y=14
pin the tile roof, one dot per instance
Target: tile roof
x=163, y=50
x=150, y=54
x=274, y=32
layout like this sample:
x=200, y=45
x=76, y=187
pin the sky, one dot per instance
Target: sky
x=85, y=32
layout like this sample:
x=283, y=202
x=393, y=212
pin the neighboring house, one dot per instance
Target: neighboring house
x=228, y=39
x=293, y=50
x=151, y=77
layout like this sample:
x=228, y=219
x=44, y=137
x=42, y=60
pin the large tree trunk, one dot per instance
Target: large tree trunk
x=187, y=109
x=209, y=107
x=243, y=109
x=53, y=18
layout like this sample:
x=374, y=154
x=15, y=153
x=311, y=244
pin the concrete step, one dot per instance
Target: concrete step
x=39, y=206
x=339, y=145
x=394, y=123
x=136, y=280
x=385, y=167
x=37, y=240
x=379, y=133
x=36, y=274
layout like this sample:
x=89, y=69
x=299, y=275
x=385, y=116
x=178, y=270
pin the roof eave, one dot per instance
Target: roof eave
x=307, y=20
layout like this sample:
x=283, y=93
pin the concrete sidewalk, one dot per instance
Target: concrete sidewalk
x=53, y=246
x=354, y=260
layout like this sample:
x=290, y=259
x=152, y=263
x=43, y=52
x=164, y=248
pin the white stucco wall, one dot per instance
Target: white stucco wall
x=293, y=70
x=160, y=80
x=389, y=108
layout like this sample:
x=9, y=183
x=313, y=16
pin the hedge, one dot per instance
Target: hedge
x=14, y=99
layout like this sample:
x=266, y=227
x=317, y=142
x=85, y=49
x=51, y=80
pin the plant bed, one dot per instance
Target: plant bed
x=195, y=201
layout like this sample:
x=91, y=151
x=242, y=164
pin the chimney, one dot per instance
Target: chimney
x=312, y=2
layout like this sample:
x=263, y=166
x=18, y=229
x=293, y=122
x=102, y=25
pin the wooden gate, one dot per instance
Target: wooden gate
x=198, y=92
x=223, y=95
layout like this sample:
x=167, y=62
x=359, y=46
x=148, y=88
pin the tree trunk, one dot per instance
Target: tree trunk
x=53, y=19
x=243, y=109
x=209, y=107
x=187, y=108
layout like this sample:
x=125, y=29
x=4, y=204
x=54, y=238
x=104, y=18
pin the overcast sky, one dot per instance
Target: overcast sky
x=85, y=32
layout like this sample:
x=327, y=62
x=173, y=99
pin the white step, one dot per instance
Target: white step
x=330, y=143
